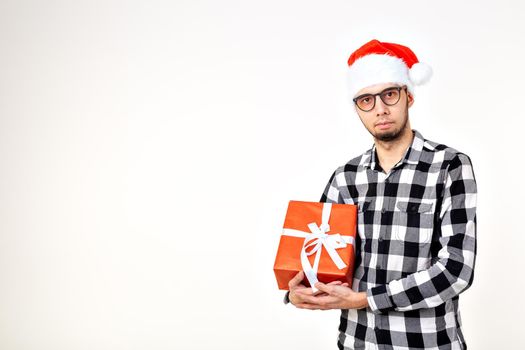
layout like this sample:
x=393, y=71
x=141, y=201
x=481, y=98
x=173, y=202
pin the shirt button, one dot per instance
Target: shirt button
x=380, y=239
x=383, y=210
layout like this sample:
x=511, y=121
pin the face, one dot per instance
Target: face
x=384, y=122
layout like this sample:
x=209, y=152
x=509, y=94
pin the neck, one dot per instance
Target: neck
x=391, y=152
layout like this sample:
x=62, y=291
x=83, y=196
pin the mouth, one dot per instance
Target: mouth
x=384, y=125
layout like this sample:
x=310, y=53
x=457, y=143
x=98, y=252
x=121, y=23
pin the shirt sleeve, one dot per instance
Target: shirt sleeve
x=452, y=271
x=331, y=192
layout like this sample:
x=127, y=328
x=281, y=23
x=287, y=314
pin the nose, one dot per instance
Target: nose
x=380, y=108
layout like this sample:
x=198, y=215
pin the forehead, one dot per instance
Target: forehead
x=374, y=89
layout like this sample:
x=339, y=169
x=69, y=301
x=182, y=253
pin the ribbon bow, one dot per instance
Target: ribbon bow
x=315, y=240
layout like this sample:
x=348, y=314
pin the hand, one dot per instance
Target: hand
x=299, y=292
x=334, y=297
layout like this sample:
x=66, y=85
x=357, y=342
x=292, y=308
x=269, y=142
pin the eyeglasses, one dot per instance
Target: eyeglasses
x=390, y=96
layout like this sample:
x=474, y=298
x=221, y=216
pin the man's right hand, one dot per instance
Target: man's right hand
x=298, y=290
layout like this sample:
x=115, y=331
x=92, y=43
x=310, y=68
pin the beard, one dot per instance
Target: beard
x=391, y=135
x=394, y=134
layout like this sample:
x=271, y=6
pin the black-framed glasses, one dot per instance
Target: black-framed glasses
x=390, y=96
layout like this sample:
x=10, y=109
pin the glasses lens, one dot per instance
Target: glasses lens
x=366, y=102
x=391, y=96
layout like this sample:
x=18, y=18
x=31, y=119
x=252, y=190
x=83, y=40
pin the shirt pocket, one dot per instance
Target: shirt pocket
x=413, y=222
x=365, y=218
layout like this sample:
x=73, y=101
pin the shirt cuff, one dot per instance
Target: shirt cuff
x=286, y=298
x=379, y=299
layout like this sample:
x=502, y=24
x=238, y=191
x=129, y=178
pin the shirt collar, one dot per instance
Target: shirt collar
x=412, y=154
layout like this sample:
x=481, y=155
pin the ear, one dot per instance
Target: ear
x=410, y=99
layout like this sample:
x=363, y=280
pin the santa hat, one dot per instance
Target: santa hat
x=378, y=62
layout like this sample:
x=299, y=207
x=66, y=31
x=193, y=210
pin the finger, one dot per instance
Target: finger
x=308, y=306
x=318, y=292
x=303, y=291
x=324, y=287
x=299, y=294
x=298, y=278
x=335, y=283
x=315, y=299
x=324, y=302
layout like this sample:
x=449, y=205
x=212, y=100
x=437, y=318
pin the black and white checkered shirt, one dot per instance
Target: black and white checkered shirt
x=416, y=246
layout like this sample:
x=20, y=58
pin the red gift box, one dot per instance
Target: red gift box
x=318, y=238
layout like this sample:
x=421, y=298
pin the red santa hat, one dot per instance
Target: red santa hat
x=378, y=62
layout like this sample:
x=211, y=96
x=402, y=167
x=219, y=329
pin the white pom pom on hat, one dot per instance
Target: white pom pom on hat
x=420, y=73
x=379, y=62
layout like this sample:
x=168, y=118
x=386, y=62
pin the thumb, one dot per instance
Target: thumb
x=294, y=282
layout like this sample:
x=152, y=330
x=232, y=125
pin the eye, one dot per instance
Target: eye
x=391, y=94
x=367, y=99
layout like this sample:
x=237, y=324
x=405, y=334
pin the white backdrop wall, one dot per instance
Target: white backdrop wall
x=148, y=150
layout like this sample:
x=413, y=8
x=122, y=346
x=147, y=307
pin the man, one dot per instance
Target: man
x=416, y=242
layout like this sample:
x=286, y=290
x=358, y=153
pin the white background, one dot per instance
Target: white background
x=148, y=150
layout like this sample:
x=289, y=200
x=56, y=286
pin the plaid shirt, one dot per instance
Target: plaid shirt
x=416, y=246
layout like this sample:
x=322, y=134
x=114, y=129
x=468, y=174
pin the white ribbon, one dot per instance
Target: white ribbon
x=316, y=239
